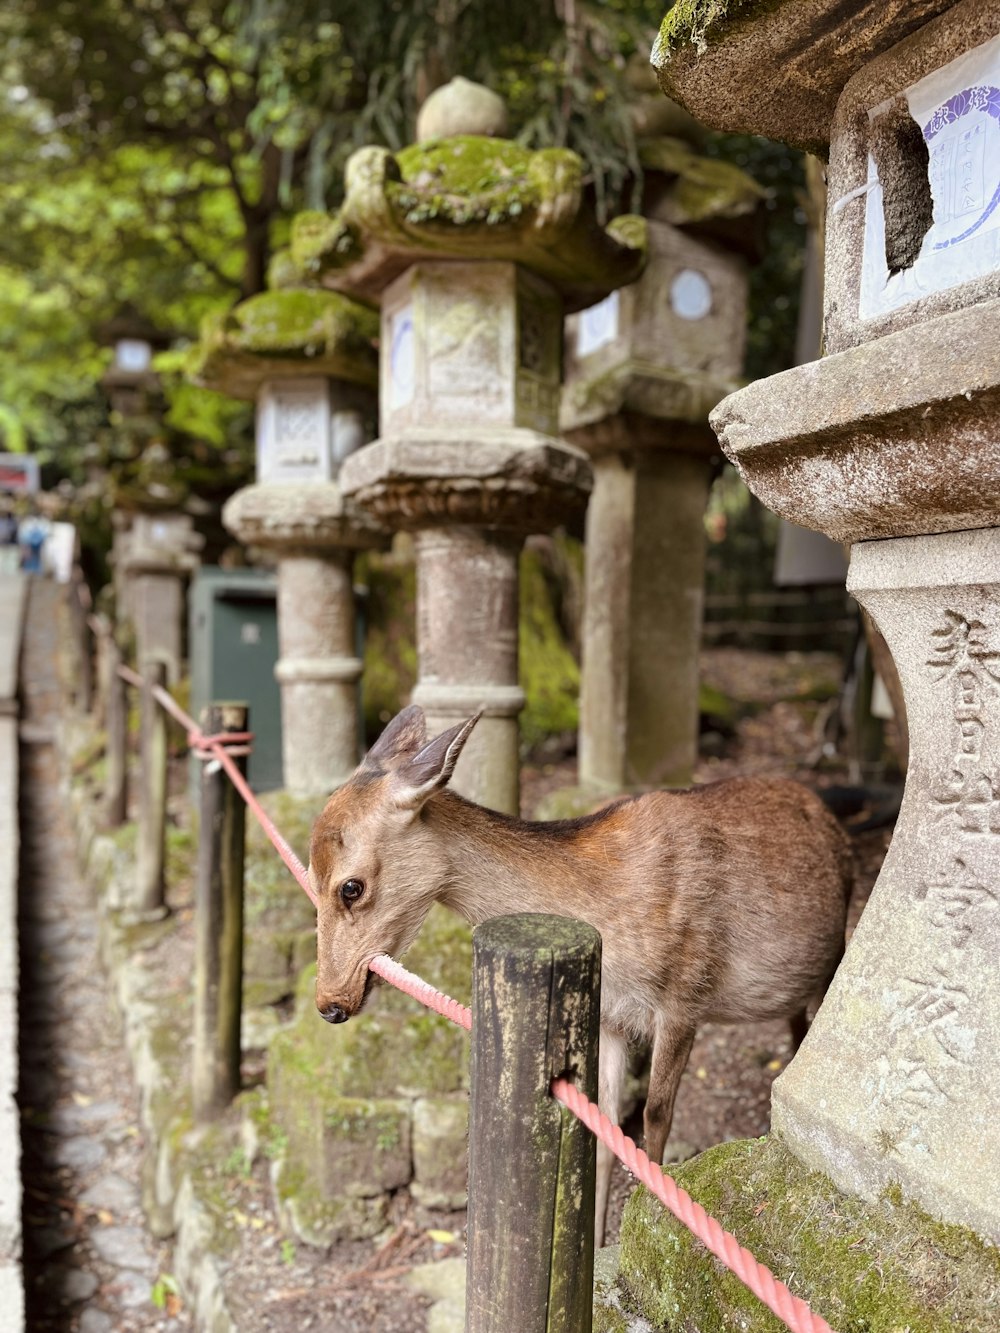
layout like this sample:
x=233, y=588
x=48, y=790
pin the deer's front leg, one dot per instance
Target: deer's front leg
x=671, y=1048
x=610, y=1080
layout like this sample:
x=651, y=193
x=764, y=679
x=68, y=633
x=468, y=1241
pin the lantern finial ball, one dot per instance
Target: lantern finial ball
x=462, y=107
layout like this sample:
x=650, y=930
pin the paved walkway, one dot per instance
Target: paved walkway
x=89, y=1263
x=12, y=591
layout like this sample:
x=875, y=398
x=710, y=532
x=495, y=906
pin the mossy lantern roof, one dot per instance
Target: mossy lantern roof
x=467, y=197
x=777, y=67
x=285, y=334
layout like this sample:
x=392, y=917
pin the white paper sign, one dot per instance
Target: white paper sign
x=402, y=358
x=293, y=430
x=597, y=325
x=691, y=294
x=958, y=109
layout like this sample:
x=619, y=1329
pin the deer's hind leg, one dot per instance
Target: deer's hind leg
x=798, y=1023
x=610, y=1078
x=671, y=1048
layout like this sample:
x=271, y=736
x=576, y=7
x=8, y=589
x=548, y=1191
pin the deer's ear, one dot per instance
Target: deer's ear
x=403, y=737
x=431, y=767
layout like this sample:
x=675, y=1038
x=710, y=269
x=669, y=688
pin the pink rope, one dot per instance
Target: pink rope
x=791, y=1310
x=410, y=984
x=212, y=744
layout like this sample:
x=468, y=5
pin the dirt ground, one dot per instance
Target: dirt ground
x=283, y=1287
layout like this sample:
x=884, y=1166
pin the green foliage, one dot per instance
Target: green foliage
x=550, y=675
x=154, y=151
x=163, y=1288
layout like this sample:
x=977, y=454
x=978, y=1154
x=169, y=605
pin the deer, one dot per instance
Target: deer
x=722, y=903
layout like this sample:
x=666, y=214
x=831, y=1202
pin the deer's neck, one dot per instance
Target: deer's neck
x=499, y=865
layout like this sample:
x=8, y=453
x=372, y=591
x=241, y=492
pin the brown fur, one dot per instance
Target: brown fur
x=724, y=903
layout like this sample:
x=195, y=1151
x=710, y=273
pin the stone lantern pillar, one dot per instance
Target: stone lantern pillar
x=308, y=358
x=474, y=247
x=643, y=369
x=160, y=556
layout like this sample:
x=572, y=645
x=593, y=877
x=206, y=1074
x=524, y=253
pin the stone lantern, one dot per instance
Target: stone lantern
x=161, y=552
x=308, y=359
x=474, y=248
x=890, y=443
x=155, y=551
x=131, y=383
x=643, y=369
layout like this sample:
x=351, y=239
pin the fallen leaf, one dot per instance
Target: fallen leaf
x=442, y=1237
x=774, y=1064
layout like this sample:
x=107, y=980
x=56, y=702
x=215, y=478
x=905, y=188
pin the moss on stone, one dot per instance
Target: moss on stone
x=322, y=1079
x=286, y=332
x=878, y=1268
x=470, y=196
x=472, y=179
x=704, y=187
x=550, y=675
x=323, y=1222
x=390, y=653
x=262, y=991
x=273, y=899
x=322, y=240
x=704, y=23
x=440, y=1151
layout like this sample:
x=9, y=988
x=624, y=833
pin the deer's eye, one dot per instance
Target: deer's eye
x=350, y=891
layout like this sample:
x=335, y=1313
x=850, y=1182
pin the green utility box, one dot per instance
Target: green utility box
x=234, y=648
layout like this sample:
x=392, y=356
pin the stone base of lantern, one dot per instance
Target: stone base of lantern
x=858, y=446
x=896, y=1082
x=314, y=534
x=882, y=1265
x=511, y=478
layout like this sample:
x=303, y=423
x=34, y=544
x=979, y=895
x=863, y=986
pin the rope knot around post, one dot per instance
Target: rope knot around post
x=236, y=743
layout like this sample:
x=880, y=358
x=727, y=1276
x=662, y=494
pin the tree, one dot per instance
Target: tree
x=153, y=151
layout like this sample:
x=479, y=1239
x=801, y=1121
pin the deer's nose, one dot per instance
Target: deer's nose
x=334, y=1014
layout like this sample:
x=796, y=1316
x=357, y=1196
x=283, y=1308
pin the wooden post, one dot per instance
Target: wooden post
x=79, y=597
x=100, y=627
x=535, y=1016
x=150, y=894
x=116, y=719
x=218, y=965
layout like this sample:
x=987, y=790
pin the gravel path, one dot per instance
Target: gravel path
x=89, y=1263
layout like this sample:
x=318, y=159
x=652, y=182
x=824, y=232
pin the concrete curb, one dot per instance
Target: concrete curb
x=171, y=1196
x=13, y=594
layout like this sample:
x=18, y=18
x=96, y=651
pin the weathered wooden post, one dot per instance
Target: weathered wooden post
x=116, y=721
x=535, y=1015
x=150, y=854
x=78, y=595
x=218, y=967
